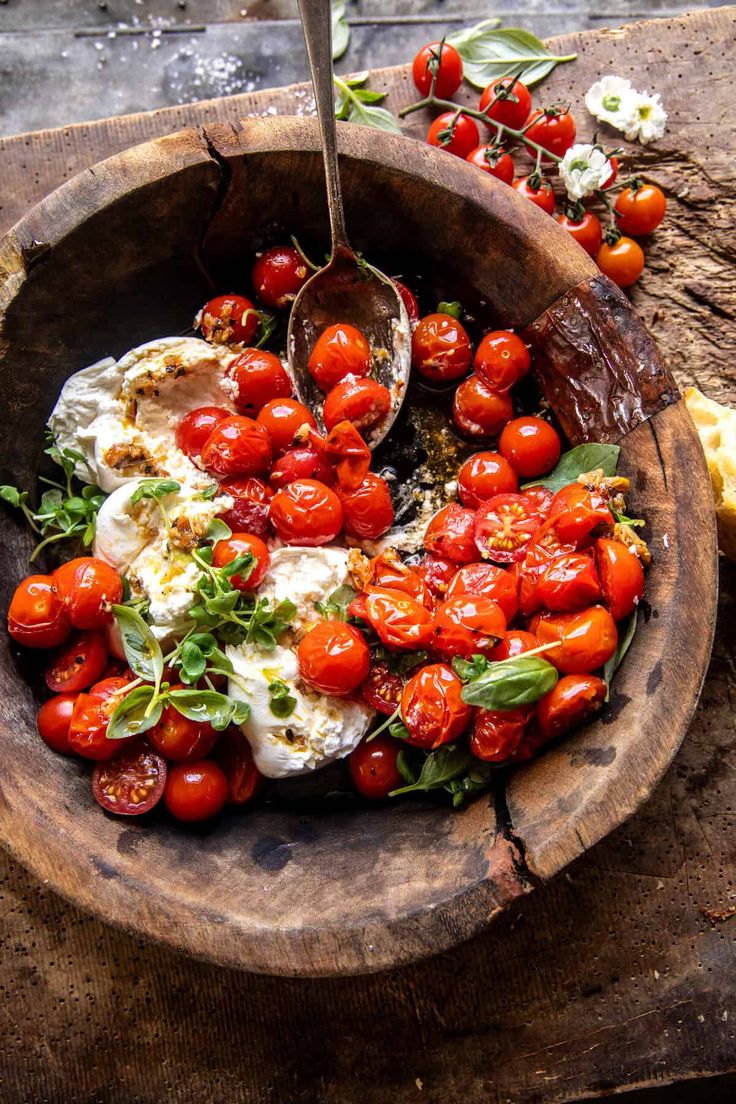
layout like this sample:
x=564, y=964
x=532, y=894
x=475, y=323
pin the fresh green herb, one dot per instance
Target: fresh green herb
x=267, y=326
x=489, y=54
x=139, y=710
x=454, y=309
x=467, y=669
x=511, y=683
x=155, y=489
x=340, y=30
x=209, y=707
x=440, y=767
x=217, y=530
x=478, y=778
x=398, y=730
x=267, y=624
x=232, y=614
x=583, y=458
x=357, y=104
x=209, y=492
x=142, y=650
x=399, y=663
x=336, y=604
x=624, y=643
x=635, y=523
x=281, y=703
x=404, y=768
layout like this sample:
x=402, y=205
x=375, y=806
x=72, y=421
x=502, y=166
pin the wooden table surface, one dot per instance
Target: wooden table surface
x=621, y=973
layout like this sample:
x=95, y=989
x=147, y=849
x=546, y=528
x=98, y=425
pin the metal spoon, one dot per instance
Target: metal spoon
x=346, y=289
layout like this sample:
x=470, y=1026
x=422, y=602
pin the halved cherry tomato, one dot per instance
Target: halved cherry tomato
x=509, y=100
x=531, y=446
x=497, y=733
x=340, y=350
x=278, y=275
x=237, y=446
x=306, y=512
x=484, y=475
x=282, y=419
x=494, y=161
x=410, y=302
x=479, y=411
x=345, y=449
x=398, y=619
x=570, y=582
x=364, y=402
x=640, y=210
x=228, y=319
x=437, y=573
x=501, y=360
x=555, y=130
x=432, y=708
x=571, y=701
x=588, y=638
x=368, y=511
x=89, y=587
x=542, y=196
x=333, y=658
x=489, y=581
x=392, y=573
x=240, y=544
x=622, y=262
x=131, y=783
x=622, y=576
x=440, y=348
x=515, y=643
x=576, y=512
x=454, y=133
x=234, y=757
x=249, y=512
x=92, y=711
x=466, y=625
x=441, y=61
x=38, y=616
x=180, y=738
x=586, y=231
x=196, y=791
x=451, y=534
x=303, y=462
x=257, y=377
x=382, y=688
x=195, y=427
x=53, y=721
x=504, y=526
x=78, y=664
x=373, y=767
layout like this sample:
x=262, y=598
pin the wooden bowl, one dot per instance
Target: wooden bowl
x=127, y=251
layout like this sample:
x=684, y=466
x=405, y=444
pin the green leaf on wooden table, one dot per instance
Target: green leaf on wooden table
x=135, y=714
x=142, y=650
x=582, y=458
x=625, y=637
x=440, y=767
x=511, y=683
x=340, y=30
x=489, y=54
x=357, y=104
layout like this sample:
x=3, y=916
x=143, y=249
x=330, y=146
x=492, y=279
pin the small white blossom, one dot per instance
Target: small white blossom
x=611, y=100
x=648, y=118
x=584, y=169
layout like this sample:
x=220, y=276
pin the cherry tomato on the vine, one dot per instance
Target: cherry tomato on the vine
x=572, y=700
x=587, y=231
x=542, y=196
x=333, y=658
x=131, y=783
x=484, y=475
x=555, y=130
x=196, y=791
x=257, y=377
x=79, y=663
x=373, y=767
x=531, y=446
x=340, y=350
x=622, y=262
x=466, y=625
x=504, y=526
x=53, y=721
x=478, y=411
x=237, y=446
x=512, y=104
x=454, y=133
x=440, y=348
x=195, y=427
x=306, y=512
x=640, y=210
x=38, y=616
x=494, y=161
x=368, y=511
x=432, y=708
x=282, y=419
x=364, y=402
x=278, y=275
x=622, y=576
x=501, y=360
x=451, y=534
x=228, y=318
x=242, y=544
x=442, y=59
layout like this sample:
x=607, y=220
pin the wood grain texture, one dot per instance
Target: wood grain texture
x=611, y=978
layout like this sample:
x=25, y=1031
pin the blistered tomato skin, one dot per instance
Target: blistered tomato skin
x=409, y=300
x=278, y=276
x=257, y=377
x=373, y=767
x=195, y=427
x=497, y=734
x=237, y=446
x=283, y=419
x=368, y=511
x=249, y=512
x=501, y=360
x=300, y=463
x=196, y=791
x=90, y=587
x=569, y=583
x=489, y=581
x=228, y=319
x=531, y=446
x=484, y=475
x=587, y=639
x=478, y=411
x=364, y=402
x=340, y=350
x=468, y=625
x=432, y=708
x=576, y=512
x=450, y=535
x=437, y=573
x=388, y=572
x=241, y=544
x=333, y=658
x=622, y=576
x=515, y=643
x=38, y=616
x=440, y=348
x=399, y=621
x=306, y=512
x=179, y=738
x=92, y=711
x=235, y=759
x=573, y=700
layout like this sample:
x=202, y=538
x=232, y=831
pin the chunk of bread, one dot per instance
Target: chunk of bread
x=716, y=425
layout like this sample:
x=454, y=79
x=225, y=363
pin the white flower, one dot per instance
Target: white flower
x=648, y=118
x=584, y=169
x=611, y=99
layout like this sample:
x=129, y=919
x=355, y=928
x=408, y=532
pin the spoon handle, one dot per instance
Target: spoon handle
x=316, y=18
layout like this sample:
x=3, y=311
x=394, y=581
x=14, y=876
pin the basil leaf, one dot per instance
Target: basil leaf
x=398, y=730
x=12, y=495
x=489, y=54
x=141, y=648
x=205, y=706
x=209, y=492
x=454, y=309
x=282, y=703
x=356, y=105
x=217, y=530
x=154, y=488
x=583, y=458
x=204, y=641
x=129, y=719
x=440, y=767
x=478, y=778
x=193, y=663
x=241, y=712
x=404, y=768
x=337, y=603
x=511, y=683
x=241, y=565
x=467, y=669
x=340, y=30
x=624, y=643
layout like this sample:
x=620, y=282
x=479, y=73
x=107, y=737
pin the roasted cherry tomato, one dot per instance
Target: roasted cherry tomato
x=364, y=402
x=454, y=133
x=640, y=210
x=373, y=767
x=555, y=130
x=515, y=643
x=340, y=350
x=53, y=721
x=347, y=452
x=437, y=573
x=282, y=419
x=507, y=101
x=382, y=688
x=570, y=582
x=439, y=61
x=90, y=587
x=180, y=738
x=571, y=701
x=504, y=525
x=306, y=512
x=466, y=625
x=623, y=262
x=489, y=581
x=234, y=757
x=544, y=547
x=587, y=231
x=256, y=378
x=249, y=511
x=501, y=360
x=131, y=783
x=587, y=639
x=440, y=348
x=410, y=302
x=278, y=275
x=237, y=446
x=622, y=576
x=484, y=475
x=92, y=711
x=368, y=511
x=228, y=319
x=385, y=571
x=38, y=616
x=333, y=658
x=540, y=498
x=497, y=733
x=303, y=462
x=243, y=544
x=399, y=620
x=450, y=534
x=79, y=663
x=494, y=161
x=195, y=427
x=478, y=411
x=531, y=446
x=432, y=708
x=196, y=791
x=542, y=196
x=576, y=511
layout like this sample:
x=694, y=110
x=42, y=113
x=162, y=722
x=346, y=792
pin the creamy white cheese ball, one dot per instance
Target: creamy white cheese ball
x=304, y=576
